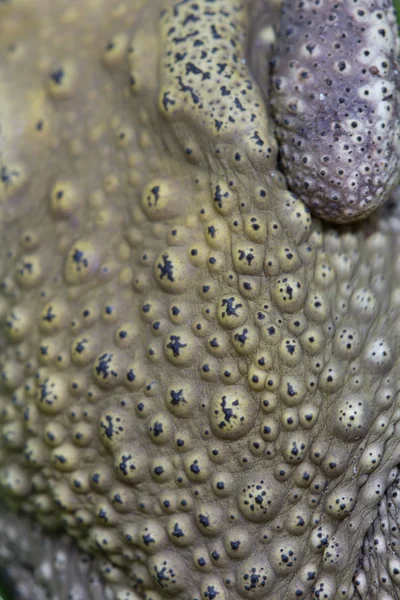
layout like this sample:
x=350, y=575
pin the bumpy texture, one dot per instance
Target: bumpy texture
x=336, y=102
x=199, y=380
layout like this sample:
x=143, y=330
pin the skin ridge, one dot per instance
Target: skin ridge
x=200, y=378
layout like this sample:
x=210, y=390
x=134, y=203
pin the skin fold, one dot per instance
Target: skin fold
x=199, y=378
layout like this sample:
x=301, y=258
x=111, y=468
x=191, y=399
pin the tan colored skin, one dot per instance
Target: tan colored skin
x=199, y=378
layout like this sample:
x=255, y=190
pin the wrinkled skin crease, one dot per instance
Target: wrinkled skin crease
x=351, y=279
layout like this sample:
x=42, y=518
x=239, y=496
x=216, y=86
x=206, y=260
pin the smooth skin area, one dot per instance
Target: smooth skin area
x=199, y=378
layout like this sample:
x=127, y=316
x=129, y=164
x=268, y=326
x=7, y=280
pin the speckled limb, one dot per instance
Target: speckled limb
x=199, y=379
x=336, y=104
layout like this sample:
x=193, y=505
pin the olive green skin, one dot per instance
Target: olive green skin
x=199, y=377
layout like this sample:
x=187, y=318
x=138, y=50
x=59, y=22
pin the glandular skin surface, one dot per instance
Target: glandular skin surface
x=199, y=378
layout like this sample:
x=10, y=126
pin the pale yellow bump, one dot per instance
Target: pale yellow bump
x=216, y=262
x=297, y=520
x=110, y=312
x=280, y=549
x=161, y=200
x=197, y=466
x=113, y=428
x=82, y=262
x=224, y=198
x=111, y=183
x=384, y=396
x=363, y=304
x=11, y=374
x=82, y=434
x=40, y=115
x=269, y=429
x=210, y=368
x=197, y=255
x=256, y=378
x=255, y=228
x=105, y=514
x=151, y=529
x=217, y=235
x=12, y=435
x=65, y=457
x=126, y=335
x=105, y=539
x=134, y=375
x=180, y=398
x=352, y=418
x=83, y=518
x=231, y=413
x=125, y=277
x=48, y=351
x=342, y=265
x=308, y=415
x=62, y=80
x=263, y=360
x=231, y=311
x=171, y=271
x=289, y=293
x=180, y=347
x=15, y=481
x=106, y=370
x=249, y=287
x=83, y=350
x=64, y=199
x=289, y=419
x=341, y=501
x=35, y=454
x=316, y=307
x=145, y=141
x=331, y=378
x=271, y=264
x=291, y=390
x=180, y=530
x=230, y=371
x=51, y=395
x=289, y=260
x=378, y=355
x=324, y=274
x=245, y=340
x=43, y=504
x=289, y=351
x=312, y=341
x=178, y=236
x=217, y=345
x=162, y=469
x=160, y=428
x=31, y=418
x=140, y=282
x=130, y=465
x=115, y=51
x=248, y=258
x=13, y=179
x=304, y=474
x=271, y=334
x=54, y=434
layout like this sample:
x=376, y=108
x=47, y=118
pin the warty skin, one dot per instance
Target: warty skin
x=199, y=379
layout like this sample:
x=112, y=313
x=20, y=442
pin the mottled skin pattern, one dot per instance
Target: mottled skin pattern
x=199, y=379
x=335, y=100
